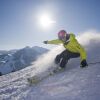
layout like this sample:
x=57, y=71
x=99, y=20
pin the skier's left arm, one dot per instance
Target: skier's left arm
x=83, y=56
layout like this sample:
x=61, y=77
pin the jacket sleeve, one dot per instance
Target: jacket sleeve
x=82, y=52
x=79, y=48
x=57, y=41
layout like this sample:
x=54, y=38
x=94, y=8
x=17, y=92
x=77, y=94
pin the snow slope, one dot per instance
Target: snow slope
x=73, y=84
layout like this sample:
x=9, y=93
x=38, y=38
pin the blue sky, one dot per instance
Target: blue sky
x=19, y=25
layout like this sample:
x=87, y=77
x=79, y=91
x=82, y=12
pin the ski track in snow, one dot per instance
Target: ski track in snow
x=73, y=84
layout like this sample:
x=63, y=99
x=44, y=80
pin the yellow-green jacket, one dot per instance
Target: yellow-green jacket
x=72, y=45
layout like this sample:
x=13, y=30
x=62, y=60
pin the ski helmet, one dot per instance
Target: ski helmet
x=62, y=34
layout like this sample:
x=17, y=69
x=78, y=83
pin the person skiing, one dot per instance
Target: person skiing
x=72, y=49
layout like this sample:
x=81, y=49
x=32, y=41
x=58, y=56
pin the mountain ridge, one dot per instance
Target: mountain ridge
x=13, y=60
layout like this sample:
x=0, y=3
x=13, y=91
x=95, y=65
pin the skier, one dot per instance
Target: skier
x=72, y=49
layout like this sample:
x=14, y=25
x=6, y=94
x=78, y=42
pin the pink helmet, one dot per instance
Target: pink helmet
x=62, y=34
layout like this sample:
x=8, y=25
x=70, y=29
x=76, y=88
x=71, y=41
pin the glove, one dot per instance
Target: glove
x=83, y=63
x=45, y=42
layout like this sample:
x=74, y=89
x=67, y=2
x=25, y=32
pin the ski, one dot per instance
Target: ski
x=36, y=79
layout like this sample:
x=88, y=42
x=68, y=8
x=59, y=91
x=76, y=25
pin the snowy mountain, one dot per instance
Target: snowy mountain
x=74, y=83
x=14, y=60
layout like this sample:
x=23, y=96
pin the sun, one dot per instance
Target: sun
x=46, y=21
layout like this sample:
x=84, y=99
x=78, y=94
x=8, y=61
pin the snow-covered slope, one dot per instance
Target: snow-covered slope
x=73, y=84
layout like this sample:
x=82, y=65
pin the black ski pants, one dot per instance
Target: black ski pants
x=63, y=57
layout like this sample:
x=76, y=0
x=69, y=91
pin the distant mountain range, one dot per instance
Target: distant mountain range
x=13, y=60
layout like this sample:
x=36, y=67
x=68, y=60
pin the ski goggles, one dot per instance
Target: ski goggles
x=61, y=37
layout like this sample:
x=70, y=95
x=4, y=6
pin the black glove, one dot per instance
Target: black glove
x=83, y=63
x=45, y=42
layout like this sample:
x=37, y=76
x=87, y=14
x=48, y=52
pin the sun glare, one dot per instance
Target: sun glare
x=46, y=21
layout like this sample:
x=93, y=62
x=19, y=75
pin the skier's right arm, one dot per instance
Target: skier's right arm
x=57, y=41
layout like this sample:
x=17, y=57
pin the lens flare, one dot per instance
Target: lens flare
x=46, y=21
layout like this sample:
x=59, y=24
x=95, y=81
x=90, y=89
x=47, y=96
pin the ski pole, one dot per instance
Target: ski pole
x=92, y=63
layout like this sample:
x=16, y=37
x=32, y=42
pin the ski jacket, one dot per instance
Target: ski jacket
x=72, y=45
